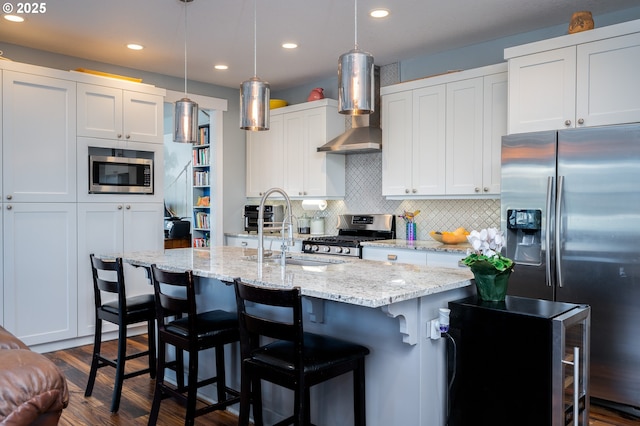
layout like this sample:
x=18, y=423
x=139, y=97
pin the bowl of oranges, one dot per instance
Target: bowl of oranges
x=446, y=237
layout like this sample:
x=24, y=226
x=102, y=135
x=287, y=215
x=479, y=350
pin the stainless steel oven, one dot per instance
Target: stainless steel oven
x=110, y=175
x=273, y=216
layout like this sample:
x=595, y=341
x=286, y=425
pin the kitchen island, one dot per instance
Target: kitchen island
x=381, y=305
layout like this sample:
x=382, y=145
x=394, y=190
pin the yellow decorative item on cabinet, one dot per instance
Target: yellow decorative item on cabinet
x=277, y=103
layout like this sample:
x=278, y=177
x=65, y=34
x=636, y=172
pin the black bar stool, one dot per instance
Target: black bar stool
x=175, y=297
x=296, y=360
x=122, y=312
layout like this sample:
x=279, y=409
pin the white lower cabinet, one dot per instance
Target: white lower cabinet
x=385, y=254
x=270, y=243
x=414, y=257
x=40, y=271
x=446, y=259
x=245, y=242
x=113, y=228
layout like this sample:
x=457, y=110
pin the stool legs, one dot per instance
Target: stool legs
x=120, y=362
x=359, y=408
x=95, y=358
x=151, y=333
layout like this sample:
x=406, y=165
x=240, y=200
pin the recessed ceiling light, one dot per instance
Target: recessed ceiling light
x=14, y=18
x=379, y=13
x=289, y=45
x=221, y=67
x=134, y=46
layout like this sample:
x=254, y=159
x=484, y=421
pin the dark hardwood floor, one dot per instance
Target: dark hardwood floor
x=138, y=393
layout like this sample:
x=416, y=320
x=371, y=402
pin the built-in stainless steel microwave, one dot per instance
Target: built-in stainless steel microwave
x=109, y=175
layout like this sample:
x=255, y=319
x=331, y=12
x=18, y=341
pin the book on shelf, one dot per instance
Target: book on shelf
x=201, y=220
x=201, y=242
x=201, y=156
x=200, y=178
x=203, y=136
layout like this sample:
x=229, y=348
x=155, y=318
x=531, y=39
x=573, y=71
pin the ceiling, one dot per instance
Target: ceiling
x=221, y=31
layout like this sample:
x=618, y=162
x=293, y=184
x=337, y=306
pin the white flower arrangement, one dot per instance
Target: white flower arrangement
x=487, y=244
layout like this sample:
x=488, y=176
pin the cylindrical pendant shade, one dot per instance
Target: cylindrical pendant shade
x=254, y=104
x=355, y=83
x=186, y=121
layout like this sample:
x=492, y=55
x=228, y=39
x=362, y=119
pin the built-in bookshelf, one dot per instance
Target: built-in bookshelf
x=202, y=189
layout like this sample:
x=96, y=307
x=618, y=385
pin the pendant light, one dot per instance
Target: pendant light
x=186, y=111
x=355, y=79
x=254, y=93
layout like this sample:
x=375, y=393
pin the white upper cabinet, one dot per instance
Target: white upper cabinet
x=114, y=113
x=413, y=134
x=579, y=80
x=265, y=158
x=464, y=137
x=39, y=138
x=309, y=173
x=285, y=156
x=442, y=135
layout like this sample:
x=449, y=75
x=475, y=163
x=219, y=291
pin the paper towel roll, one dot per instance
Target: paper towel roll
x=314, y=204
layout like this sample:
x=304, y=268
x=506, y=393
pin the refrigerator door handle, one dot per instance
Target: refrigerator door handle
x=557, y=230
x=547, y=231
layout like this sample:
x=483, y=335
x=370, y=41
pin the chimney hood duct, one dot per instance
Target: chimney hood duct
x=365, y=134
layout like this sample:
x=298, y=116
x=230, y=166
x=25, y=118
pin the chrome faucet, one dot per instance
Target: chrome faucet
x=285, y=244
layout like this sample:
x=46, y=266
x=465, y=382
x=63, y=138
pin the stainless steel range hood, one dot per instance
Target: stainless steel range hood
x=365, y=134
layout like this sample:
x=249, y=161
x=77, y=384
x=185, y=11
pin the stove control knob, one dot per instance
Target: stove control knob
x=337, y=249
x=326, y=249
x=346, y=250
x=314, y=248
x=307, y=247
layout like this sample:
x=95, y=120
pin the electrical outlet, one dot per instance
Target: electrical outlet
x=433, y=329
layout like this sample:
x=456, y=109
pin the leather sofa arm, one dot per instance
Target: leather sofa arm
x=33, y=391
x=9, y=341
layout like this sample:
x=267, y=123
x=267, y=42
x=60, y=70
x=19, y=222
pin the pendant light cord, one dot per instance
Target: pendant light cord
x=355, y=21
x=185, y=49
x=255, y=38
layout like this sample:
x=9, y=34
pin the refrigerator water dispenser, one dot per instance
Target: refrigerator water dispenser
x=524, y=236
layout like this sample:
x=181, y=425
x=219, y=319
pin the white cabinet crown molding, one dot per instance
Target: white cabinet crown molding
x=573, y=39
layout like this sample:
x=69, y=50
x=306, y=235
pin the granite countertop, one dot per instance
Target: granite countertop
x=354, y=281
x=424, y=245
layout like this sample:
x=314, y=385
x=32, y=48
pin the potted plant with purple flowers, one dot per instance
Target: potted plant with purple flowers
x=491, y=270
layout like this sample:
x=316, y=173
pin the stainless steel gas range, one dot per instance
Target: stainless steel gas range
x=352, y=230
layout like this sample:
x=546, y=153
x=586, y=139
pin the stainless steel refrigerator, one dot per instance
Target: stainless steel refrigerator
x=570, y=210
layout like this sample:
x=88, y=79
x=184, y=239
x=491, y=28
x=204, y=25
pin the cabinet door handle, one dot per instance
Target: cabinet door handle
x=9, y=207
x=567, y=123
x=476, y=189
x=486, y=189
x=128, y=136
x=414, y=190
x=119, y=206
x=128, y=207
x=406, y=191
x=581, y=121
x=9, y=197
x=119, y=135
x=243, y=244
x=392, y=257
